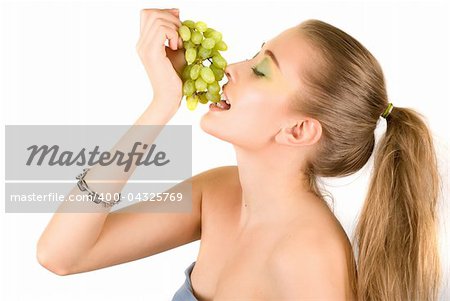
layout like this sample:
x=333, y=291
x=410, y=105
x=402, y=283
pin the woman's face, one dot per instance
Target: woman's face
x=260, y=90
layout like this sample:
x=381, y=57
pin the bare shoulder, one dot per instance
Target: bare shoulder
x=215, y=178
x=311, y=263
x=220, y=188
x=217, y=175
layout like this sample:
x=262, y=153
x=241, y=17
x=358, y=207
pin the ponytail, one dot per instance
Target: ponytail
x=396, y=238
x=397, y=230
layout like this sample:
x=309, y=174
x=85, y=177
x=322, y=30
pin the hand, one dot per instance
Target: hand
x=163, y=64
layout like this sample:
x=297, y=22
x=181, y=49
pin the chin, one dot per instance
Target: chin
x=214, y=127
x=234, y=136
x=210, y=127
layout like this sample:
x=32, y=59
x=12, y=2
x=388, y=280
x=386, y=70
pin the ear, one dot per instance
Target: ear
x=304, y=132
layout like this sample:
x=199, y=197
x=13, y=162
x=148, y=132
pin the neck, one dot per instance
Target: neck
x=273, y=189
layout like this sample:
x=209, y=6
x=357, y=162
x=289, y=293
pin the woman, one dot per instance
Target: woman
x=305, y=106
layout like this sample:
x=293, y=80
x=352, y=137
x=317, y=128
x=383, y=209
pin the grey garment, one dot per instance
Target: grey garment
x=184, y=293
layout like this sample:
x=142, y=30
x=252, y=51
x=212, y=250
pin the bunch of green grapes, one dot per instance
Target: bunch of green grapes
x=202, y=45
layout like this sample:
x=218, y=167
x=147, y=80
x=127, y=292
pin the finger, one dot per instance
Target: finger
x=156, y=19
x=175, y=12
x=160, y=14
x=173, y=16
x=160, y=34
x=143, y=20
x=146, y=18
x=155, y=26
x=170, y=34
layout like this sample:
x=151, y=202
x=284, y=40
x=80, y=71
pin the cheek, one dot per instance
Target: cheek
x=251, y=123
x=258, y=115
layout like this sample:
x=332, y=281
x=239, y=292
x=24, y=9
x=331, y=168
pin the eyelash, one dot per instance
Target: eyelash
x=256, y=72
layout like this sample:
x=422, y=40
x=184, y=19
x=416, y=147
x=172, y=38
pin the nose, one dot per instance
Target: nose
x=228, y=72
x=231, y=70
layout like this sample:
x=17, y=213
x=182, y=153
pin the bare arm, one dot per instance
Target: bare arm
x=68, y=235
x=128, y=236
x=74, y=242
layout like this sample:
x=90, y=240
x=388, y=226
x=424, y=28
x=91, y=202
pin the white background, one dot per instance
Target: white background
x=74, y=62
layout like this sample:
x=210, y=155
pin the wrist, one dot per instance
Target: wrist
x=166, y=98
x=166, y=102
x=154, y=115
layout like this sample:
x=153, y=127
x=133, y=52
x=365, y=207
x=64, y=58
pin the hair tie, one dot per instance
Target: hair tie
x=388, y=110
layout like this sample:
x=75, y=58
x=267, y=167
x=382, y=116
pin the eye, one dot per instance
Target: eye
x=256, y=72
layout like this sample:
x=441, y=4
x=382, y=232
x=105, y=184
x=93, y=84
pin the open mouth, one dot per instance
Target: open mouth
x=222, y=105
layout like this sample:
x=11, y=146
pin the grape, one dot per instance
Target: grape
x=214, y=88
x=219, y=61
x=208, y=43
x=196, y=37
x=189, y=87
x=188, y=45
x=216, y=36
x=203, y=52
x=201, y=26
x=207, y=75
x=192, y=101
x=214, y=52
x=189, y=23
x=214, y=97
x=221, y=45
x=200, y=84
x=187, y=72
x=218, y=73
x=191, y=55
x=185, y=33
x=205, y=64
x=208, y=32
x=195, y=71
x=203, y=98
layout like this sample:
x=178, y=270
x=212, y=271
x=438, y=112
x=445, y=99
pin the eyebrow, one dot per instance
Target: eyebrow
x=271, y=55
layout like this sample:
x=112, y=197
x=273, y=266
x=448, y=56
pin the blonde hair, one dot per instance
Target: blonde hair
x=396, y=234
